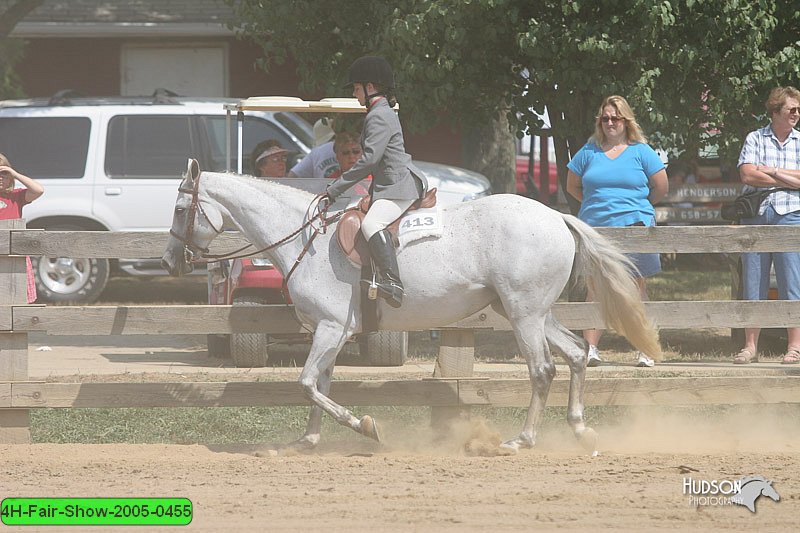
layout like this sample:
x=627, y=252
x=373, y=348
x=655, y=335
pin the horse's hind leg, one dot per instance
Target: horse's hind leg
x=574, y=352
x=328, y=340
x=531, y=339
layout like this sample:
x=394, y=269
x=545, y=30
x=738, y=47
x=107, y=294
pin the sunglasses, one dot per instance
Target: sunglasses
x=354, y=151
x=793, y=110
x=610, y=120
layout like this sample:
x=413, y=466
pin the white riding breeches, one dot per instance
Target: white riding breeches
x=381, y=213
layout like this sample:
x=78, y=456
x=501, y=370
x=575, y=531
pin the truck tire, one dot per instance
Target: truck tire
x=69, y=280
x=249, y=350
x=350, y=349
x=385, y=348
x=218, y=345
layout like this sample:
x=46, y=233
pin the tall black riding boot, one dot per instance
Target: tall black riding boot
x=381, y=248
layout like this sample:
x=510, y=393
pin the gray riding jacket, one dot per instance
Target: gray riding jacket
x=394, y=176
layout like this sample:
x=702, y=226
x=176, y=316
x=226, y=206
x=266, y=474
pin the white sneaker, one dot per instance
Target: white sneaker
x=593, y=356
x=644, y=361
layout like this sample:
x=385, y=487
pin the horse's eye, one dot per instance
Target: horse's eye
x=180, y=210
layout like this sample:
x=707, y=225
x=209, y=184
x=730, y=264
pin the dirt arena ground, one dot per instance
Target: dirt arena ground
x=417, y=481
x=347, y=488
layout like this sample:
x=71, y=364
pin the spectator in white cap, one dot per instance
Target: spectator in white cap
x=321, y=161
x=269, y=159
x=323, y=131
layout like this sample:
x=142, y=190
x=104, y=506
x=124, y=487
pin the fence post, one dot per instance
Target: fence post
x=14, y=423
x=456, y=359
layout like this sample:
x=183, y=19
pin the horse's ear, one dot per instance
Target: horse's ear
x=192, y=169
x=192, y=172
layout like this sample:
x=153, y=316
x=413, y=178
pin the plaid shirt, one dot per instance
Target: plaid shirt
x=761, y=147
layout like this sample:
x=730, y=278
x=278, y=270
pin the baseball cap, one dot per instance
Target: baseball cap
x=323, y=131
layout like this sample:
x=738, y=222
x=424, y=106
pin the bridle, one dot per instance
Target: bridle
x=205, y=257
x=194, y=207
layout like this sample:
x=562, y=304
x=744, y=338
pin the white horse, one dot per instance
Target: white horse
x=504, y=250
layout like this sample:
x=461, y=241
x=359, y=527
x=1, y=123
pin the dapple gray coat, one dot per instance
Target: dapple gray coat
x=506, y=251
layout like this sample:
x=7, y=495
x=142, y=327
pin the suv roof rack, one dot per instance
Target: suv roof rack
x=69, y=97
x=64, y=97
x=164, y=96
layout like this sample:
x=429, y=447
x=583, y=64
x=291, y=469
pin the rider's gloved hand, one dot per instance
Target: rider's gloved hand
x=325, y=202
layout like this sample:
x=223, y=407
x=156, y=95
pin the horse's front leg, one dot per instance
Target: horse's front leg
x=329, y=338
x=314, y=427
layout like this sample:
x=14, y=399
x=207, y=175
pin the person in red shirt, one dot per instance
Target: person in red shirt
x=13, y=200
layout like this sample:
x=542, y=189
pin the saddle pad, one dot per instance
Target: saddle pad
x=419, y=224
x=352, y=242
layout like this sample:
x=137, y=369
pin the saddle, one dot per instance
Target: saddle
x=348, y=231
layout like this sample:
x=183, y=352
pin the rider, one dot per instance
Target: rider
x=396, y=182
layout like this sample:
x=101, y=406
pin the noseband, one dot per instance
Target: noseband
x=194, y=207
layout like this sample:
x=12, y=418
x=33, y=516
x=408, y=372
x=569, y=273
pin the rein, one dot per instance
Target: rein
x=206, y=258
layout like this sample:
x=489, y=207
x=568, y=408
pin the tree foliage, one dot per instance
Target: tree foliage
x=11, y=50
x=695, y=71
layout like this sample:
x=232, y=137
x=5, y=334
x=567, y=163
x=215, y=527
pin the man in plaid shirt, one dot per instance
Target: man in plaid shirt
x=770, y=157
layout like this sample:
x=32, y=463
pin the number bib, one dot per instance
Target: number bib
x=419, y=224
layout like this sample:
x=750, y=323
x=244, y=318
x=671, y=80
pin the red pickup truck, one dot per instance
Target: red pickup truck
x=523, y=182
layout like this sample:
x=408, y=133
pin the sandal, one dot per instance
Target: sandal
x=792, y=357
x=746, y=356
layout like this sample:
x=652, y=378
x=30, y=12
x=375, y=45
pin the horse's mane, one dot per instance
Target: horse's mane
x=266, y=186
x=750, y=479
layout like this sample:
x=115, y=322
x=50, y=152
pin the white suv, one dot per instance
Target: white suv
x=114, y=164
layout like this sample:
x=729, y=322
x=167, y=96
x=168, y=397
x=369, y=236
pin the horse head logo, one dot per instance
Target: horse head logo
x=752, y=488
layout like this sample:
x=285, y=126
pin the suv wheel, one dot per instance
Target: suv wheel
x=218, y=345
x=69, y=280
x=249, y=350
x=385, y=348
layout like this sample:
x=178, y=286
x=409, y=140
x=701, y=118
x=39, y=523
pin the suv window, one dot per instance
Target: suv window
x=149, y=146
x=297, y=125
x=46, y=147
x=256, y=129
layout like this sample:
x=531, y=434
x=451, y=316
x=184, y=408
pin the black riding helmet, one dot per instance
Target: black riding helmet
x=373, y=69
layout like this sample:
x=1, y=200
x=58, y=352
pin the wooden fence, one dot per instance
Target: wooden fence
x=455, y=389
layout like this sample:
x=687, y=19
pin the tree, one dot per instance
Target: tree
x=323, y=38
x=11, y=50
x=696, y=71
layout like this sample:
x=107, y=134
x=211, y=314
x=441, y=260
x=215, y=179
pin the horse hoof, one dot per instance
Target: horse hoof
x=303, y=444
x=589, y=439
x=510, y=447
x=514, y=445
x=369, y=428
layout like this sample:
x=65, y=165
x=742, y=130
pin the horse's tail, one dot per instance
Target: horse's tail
x=609, y=273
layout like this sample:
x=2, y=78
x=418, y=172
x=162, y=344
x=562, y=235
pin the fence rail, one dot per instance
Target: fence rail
x=18, y=394
x=663, y=239
x=462, y=392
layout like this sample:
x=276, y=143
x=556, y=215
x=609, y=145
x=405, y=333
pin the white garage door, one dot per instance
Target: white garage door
x=199, y=70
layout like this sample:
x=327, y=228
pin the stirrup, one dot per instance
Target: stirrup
x=391, y=292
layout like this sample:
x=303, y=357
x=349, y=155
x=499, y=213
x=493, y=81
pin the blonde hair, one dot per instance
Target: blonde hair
x=633, y=131
x=4, y=162
x=777, y=97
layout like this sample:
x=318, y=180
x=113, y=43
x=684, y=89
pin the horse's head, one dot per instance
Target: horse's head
x=769, y=491
x=195, y=223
